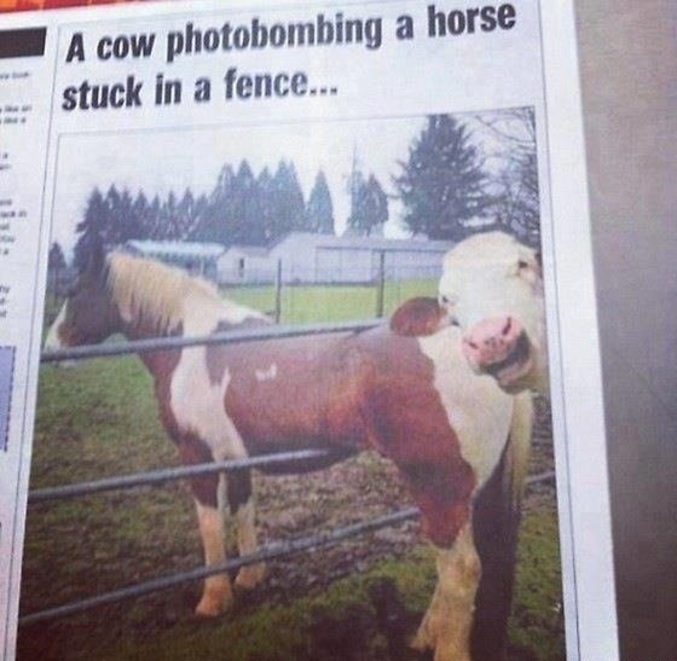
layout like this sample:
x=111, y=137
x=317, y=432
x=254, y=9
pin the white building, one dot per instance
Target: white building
x=324, y=258
x=250, y=264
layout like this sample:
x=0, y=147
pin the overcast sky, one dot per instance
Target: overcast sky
x=158, y=162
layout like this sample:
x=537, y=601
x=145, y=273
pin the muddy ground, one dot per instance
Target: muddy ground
x=360, y=488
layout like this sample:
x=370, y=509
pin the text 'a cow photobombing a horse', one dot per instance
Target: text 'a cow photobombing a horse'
x=413, y=390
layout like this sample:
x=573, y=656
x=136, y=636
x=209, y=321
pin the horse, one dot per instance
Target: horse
x=492, y=287
x=404, y=389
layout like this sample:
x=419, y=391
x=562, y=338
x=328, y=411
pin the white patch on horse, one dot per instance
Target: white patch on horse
x=268, y=374
x=198, y=403
x=478, y=411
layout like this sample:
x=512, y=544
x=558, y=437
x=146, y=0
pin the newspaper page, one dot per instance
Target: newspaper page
x=340, y=250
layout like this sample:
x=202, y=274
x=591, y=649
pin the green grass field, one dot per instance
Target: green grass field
x=305, y=304
x=99, y=419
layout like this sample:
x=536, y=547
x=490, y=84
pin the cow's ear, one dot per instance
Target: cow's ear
x=538, y=256
x=418, y=317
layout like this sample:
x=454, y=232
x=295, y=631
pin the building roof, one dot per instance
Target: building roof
x=178, y=249
x=250, y=251
x=309, y=239
x=183, y=250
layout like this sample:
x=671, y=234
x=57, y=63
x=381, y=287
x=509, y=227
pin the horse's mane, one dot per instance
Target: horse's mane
x=147, y=290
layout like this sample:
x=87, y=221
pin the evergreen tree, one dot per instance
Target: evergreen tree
x=247, y=226
x=320, y=210
x=56, y=259
x=130, y=224
x=442, y=185
x=216, y=223
x=287, y=201
x=141, y=212
x=199, y=211
x=151, y=225
x=266, y=194
x=162, y=223
x=369, y=206
x=171, y=225
x=115, y=217
x=91, y=229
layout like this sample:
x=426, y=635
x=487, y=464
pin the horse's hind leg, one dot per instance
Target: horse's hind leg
x=448, y=621
x=241, y=501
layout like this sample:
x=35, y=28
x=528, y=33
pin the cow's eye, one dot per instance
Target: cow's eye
x=447, y=300
x=522, y=264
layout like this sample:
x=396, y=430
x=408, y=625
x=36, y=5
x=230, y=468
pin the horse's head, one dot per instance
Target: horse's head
x=492, y=287
x=87, y=316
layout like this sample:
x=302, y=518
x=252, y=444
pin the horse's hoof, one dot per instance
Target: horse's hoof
x=425, y=640
x=249, y=577
x=420, y=644
x=208, y=610
x=212, y=605
x=422, y=641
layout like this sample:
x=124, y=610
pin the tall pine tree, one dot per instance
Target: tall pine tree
x=217, y=220
x=90, y=230
x=287, y=201
x=248, y=226
x=56, y=259
x=266, y=191
x=369, y=207
x=320, y=210
x=442, y=185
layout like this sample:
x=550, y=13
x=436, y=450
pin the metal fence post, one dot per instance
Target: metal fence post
x=278, y=292
x=380, y=291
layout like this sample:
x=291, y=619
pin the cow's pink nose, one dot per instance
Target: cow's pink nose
x=491, y=340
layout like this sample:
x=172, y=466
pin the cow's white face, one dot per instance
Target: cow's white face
x=492, y=287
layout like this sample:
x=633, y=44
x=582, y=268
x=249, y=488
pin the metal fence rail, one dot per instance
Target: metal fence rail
x=269, y=552
x=158, y=477
x=272, y=332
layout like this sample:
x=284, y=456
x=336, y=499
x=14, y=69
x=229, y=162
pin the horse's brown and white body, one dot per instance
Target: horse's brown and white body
x=406, y=391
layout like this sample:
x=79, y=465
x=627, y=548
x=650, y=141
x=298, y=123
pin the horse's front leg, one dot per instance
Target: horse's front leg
x=447, y=624
x=217, y=594
x=241, y=501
